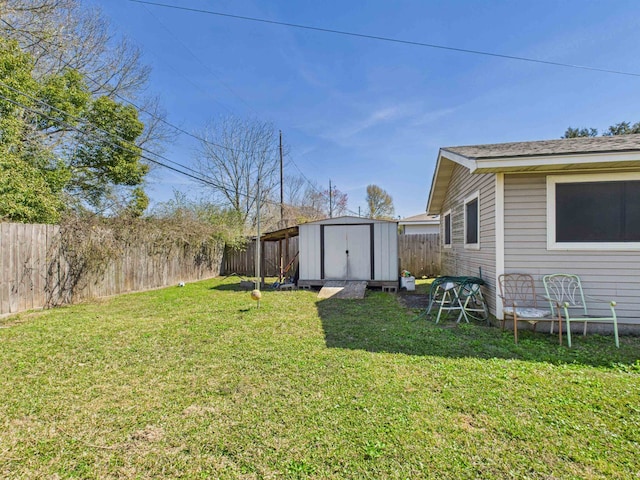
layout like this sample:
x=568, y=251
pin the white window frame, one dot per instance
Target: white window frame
x=469, y=199
x=552, y=181
x=444, y=226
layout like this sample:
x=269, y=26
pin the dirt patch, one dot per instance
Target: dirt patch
x=149, y=433
x=198, y=410
x=414, y=301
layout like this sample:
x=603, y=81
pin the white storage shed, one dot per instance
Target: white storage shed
x=349, y=248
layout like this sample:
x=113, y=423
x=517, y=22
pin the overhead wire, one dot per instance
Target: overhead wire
x=124, y=99
x=204, y=65
x=389, y=39
x=42, y=102
x=89, y=134
x=197, y=175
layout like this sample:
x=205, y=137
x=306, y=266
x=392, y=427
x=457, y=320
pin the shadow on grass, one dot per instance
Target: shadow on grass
x=230, y=287
x=236, y=283
x=379, y=323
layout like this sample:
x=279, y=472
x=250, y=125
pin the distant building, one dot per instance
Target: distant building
x=423, y=223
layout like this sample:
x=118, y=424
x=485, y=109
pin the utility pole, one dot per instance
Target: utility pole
x=330, y=200
x=358, y=211
x=257, y=266
x=281, y=183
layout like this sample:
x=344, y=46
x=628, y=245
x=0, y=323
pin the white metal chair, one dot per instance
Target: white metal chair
x=520, y=302
x=566, y=290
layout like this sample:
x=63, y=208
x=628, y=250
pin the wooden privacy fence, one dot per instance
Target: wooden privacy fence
x=37, y=269
x=243, y=262
x=420, y=254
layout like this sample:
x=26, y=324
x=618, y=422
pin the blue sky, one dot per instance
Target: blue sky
x=359, y=111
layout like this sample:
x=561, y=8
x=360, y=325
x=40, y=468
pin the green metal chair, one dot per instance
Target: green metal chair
x=566, y=290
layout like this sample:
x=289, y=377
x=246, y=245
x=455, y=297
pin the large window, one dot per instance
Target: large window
x=589, y=211
x=447, y=229
x=472, y=221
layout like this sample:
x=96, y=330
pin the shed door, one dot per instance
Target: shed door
x=347, y=252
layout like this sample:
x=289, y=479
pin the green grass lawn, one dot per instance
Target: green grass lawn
x=197, y=382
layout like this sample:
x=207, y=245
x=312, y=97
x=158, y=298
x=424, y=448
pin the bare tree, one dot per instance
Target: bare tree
x=235, y=155
x=294, y=189
x=307, y=201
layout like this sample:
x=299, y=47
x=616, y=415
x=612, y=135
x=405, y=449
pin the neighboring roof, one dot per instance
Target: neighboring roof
x=567, y=154
x=423, y=218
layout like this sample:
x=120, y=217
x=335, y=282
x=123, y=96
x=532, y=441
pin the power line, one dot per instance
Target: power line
x=45, y=104
x=204, y=65
x=69, y=126
x=126, y=100
x=390, y=39
x=89, y=134
x=200, y=177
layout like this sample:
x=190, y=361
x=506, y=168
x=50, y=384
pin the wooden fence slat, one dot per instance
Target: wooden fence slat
x=14, y=296
x=5, y=255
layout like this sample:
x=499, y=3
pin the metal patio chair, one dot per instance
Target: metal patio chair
x=520, y=302
x=566, y=292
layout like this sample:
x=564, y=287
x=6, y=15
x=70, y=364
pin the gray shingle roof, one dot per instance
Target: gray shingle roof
x=565, y=146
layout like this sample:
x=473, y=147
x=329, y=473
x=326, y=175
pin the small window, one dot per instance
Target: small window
x=447, y=229
x=472, y=221
x=593, y=211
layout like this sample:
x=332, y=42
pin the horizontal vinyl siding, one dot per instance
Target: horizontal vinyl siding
x=610, y=275
x=460, y=261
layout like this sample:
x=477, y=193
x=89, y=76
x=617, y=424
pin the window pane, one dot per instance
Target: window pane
x=447, y=229
x=590, y=212
x=632, y=211
x=471, y=211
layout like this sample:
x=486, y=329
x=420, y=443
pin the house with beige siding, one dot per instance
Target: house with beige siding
x=552, y=206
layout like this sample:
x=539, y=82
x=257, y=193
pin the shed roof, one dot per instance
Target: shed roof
x=280, y=234
x=347, y=220
x=621, y=152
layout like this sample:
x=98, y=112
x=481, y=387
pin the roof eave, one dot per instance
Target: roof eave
x=558, y=162
x=434, y=204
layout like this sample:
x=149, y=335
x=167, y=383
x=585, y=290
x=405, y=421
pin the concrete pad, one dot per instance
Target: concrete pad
x=343, y=289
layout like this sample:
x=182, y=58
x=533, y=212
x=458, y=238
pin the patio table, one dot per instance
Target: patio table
x=463, y=294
